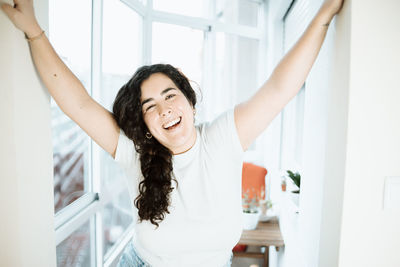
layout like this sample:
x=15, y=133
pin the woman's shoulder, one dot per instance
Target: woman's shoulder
x=219, y=128
x=125, y=153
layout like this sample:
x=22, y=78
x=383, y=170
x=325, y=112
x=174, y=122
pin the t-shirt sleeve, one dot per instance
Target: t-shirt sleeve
x=125, y=155
x=221, y=134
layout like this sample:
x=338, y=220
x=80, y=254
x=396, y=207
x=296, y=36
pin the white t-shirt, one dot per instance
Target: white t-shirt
x=205, y=219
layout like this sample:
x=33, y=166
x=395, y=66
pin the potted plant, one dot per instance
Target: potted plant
x=265, y=206
x=251, y=211
x=296, y=178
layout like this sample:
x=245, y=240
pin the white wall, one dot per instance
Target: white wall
x=370, y=235
x=26, y=186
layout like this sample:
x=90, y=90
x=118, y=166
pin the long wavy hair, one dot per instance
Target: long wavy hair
x=155, y=159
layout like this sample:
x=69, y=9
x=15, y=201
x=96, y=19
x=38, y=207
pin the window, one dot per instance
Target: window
x=236, y=69
x=193, y=8
x=70, y=144
x=243, y=12
x=214, y=44
x=219, y=51
x=76, y=249
x=82, y=172
x=179, y=46
x=295, y=22
x=120, y=57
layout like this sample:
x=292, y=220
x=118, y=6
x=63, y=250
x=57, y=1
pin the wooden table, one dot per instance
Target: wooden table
x=265, y=235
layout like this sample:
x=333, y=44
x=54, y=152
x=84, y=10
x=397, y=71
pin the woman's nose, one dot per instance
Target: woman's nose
x=166, y=111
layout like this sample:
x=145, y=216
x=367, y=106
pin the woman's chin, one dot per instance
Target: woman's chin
x=180, y=142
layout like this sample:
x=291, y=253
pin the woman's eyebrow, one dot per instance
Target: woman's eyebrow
x=167, y=90
x=162, y=93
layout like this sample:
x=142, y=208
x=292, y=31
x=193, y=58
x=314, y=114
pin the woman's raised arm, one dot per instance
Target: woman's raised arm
x=254, y=115
x=62, y=84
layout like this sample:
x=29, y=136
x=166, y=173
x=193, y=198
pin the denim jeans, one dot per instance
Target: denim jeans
x=130, y=258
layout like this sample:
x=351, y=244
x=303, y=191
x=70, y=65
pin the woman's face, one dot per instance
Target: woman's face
x=167, y=113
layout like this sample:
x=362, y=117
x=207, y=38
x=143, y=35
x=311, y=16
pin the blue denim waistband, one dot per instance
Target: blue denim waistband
x=130, y=258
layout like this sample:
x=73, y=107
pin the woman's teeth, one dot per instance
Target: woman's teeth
x=172, y=123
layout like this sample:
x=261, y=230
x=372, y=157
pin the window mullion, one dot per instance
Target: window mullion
x=96, y=228
x=186, y=21
x=79, y=218
x=136, y=5
x=147, y=34
x=240, y=30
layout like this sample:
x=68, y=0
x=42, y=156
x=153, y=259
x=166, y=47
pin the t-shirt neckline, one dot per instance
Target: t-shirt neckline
x=183, y=159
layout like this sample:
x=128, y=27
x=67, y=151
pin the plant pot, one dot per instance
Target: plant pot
x=295, y=198
x=250, y=220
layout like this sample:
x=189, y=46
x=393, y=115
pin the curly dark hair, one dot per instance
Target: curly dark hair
x=155, y=159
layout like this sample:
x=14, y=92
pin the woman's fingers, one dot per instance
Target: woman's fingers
x=10, y=11
x=22, y=15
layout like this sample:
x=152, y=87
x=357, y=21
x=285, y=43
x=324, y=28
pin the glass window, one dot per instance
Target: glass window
x=121, y=58
x=70, y=143
x=75, y=251
x=300, y=98
x=243, y=12
x=117, y=216
x=181, y=47
x=292, y=132
x=193, y=8
x=121, y=54
x=236, y=70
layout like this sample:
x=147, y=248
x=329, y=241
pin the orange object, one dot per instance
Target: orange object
x=239, y=248
x=283, y=187
x=253, y=180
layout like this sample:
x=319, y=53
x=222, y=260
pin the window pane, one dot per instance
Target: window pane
x=121, y=56
x=243, y=12
x=236, y=70
x=75, y=250
x=181, y=47
x=192, y=8
x=300, y=99
x=121, y=48
x=70, y=143
x=117, y=216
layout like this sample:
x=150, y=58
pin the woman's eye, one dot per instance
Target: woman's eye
x=149, y=107
x=169, y=96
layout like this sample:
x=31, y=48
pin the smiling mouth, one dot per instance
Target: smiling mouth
x=172, y=124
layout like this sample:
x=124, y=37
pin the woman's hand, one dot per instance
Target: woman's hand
x=23, y=17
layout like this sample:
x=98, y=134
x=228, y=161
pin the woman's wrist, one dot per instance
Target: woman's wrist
x=34, y=31
x=328, y=10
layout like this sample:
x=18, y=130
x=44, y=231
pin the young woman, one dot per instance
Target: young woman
x=185, y=180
